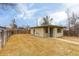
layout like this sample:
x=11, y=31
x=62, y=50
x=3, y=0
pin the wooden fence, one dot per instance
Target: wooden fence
x=6, y=33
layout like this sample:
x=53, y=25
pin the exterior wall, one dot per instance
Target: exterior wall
x=31, y=31
x=38, y=32
x=45, y=34
x=41, y=33
x=55, y=34
x=52, y=32
x=49, y=33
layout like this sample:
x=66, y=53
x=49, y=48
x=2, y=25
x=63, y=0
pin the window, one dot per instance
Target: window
x=59, y=30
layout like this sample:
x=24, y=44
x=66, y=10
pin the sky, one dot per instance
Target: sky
x=31, y=13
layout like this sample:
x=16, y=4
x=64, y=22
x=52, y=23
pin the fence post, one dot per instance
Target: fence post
x=1, y=39
x=5, y=37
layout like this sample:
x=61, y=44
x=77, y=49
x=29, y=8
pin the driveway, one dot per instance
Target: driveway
x=67, y=41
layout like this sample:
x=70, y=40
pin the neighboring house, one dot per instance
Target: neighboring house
x=1, y=27
x=47, y=31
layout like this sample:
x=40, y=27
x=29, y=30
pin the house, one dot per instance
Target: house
x=47, y=31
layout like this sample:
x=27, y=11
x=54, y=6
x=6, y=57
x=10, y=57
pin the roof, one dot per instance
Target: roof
x=44, y=26
x=2, y=27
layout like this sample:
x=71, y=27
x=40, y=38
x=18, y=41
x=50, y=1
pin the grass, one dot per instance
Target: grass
x=27, y=45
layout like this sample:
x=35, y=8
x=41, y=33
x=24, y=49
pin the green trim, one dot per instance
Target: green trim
x=44, y=26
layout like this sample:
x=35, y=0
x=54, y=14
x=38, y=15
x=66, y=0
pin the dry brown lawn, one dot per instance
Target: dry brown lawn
x=27, y=45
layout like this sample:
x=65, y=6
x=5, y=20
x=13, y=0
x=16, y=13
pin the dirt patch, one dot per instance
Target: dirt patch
x=71, y=38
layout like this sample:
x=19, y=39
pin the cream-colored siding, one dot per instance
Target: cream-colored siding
x=32, y=31
x=45, y=34
x=56, y=34
x=41, y=32
x=38, y=32
x=48, y=34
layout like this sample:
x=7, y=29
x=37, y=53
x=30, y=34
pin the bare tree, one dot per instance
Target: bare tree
x=67, y=11
x=13, y=24
x=72, y=23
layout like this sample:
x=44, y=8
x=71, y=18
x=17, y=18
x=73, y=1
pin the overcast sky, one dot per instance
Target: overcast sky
x=32, y=13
